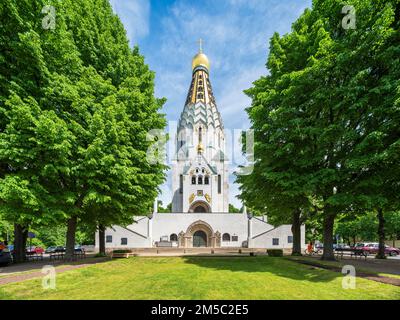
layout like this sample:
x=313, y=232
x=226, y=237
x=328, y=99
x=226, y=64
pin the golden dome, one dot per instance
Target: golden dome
x=200, y=59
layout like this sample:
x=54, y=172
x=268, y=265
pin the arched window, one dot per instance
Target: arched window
x=200, y=134
x=173, y=237
x=226, y=237
x=206, y=180
x=200, y=82
x=203, y=170
x=193, y=179
x=200, y=96
x=197, y=170
x=200, y=180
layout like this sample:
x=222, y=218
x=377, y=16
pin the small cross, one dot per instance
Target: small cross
x=200, y=45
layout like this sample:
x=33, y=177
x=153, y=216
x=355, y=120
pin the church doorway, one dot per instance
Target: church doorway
x=200, y=207
x=199, y=239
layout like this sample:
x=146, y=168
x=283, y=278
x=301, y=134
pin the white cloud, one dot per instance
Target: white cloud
x=135, y=15
x=236, y=37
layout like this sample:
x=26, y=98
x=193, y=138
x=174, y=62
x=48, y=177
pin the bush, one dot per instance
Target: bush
x=275, y=252
x=122, y=251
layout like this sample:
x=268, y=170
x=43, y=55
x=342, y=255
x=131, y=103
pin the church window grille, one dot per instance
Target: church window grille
x=194, y=180
x=124, y=241
x=226, y=237
x=200, y=180
x=219, y=183
x=290, y=239
x=108, y=239
x=200, y=82
x=206, y=180
x=181, y=183
x=275, y=241
x=200, y=96
x=235, y=238
x=173, y=237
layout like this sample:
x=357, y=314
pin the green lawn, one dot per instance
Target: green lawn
x=199, y=278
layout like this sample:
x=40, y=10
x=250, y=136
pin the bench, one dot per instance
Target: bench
x=56, y=256
x=356, y=253
x=35, y=256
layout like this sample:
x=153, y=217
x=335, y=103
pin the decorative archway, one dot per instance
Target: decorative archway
x=200, y=207
x=199, y=234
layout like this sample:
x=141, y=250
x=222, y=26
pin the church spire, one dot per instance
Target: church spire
x=200, y=95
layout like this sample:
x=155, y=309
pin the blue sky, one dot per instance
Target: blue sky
x=236, y=37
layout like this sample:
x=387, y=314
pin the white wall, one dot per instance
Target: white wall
x=236, y=224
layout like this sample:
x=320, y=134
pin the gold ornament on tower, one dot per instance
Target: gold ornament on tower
x=208, y=198
x=191, y=198
x=200, y=148
x=200, y=59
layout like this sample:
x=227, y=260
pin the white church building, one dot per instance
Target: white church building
x=200, y=203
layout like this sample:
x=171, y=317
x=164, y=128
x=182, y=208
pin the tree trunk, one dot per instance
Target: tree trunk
x=381, y=235
x=102, y=240
x=328, y=254
x=296, y=231
x=71, y=232
x=20, y=237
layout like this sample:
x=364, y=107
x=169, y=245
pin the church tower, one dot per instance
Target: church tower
x=200, y=170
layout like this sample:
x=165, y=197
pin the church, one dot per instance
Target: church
x=200, y=203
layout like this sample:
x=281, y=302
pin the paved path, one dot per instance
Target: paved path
x=32, y=270
x=368, y=269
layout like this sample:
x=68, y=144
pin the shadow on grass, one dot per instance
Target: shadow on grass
x=278, y=266
x=31, y=266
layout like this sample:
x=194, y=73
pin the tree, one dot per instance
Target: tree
x=74, y=113
x=319, y=112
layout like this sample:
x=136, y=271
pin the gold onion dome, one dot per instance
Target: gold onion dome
x=200, y=59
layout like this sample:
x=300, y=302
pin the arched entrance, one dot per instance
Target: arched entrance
x=200, y=207
x=199, y=239
x=199, y=234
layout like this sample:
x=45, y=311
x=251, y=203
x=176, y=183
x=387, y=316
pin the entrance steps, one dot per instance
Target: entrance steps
x=159, y=252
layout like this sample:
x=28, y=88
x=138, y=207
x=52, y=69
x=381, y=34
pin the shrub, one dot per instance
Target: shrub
x=275, y=252
x=122, y=251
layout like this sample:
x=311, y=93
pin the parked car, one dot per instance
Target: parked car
x=5, y=256
x=340, y=246
x=34, y=250
x=59, y=249
x=373, y=248
x=51, y=249
x=79, y=249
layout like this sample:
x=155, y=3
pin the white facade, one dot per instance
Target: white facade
x=200, y=188
x=178, y=229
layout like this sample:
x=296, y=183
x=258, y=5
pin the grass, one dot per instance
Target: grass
x=341, y=263
x=199, y=278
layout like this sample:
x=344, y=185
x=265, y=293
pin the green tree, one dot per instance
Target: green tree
x=318, y=115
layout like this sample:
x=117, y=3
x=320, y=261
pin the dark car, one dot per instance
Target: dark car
x=59, y=249
x=5, y=256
